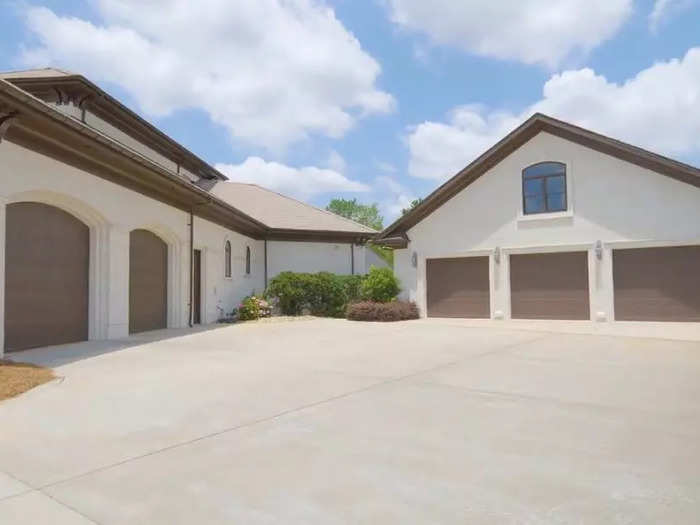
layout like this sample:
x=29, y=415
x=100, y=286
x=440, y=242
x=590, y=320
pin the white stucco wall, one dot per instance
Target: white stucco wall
x=111, y=212
x=283, y=256
x=610, y=200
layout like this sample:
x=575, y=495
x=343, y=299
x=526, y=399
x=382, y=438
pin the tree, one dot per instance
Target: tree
x=414, y=203
x=367, y=214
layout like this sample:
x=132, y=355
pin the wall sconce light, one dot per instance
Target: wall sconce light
x=497, y=255
x=414, y=260
x=598, y=250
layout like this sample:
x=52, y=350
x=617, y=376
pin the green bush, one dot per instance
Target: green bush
x=380, y=285
x=323, y=294
x=290, y=291
x=352, y=286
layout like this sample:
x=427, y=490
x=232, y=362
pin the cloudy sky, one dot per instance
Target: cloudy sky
x=376, y=99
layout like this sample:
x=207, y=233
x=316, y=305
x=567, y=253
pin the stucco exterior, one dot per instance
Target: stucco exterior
x=287, y=256
x=609, y=200
x=111, y=212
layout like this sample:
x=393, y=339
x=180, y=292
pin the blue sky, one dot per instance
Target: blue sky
x=379, y=99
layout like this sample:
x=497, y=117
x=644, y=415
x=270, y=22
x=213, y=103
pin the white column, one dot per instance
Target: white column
x=3, y=206
x=117, y=288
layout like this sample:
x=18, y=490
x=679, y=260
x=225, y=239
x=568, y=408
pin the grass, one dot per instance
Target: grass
x=16, y=378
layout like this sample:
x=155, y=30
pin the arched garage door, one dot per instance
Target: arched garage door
x=47, y=258
x=148, y=282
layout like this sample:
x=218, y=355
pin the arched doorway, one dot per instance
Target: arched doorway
x=148, y=281
x=47, y=259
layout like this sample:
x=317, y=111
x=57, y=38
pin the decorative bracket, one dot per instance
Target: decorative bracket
x=6, y=120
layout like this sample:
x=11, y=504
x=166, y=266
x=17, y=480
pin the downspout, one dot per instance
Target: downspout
x=352, y=258
x=191, y=225
x=265, y=264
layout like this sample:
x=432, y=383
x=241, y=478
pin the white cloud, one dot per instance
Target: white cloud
x=394, y=197
x=665, y=9
x=303, y=183
x=271, y=71
x=336, y=162
x=658, y=109
x=530, y=31
x=386, y=167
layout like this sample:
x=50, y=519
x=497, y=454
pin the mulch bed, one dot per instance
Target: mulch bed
x=16, y=378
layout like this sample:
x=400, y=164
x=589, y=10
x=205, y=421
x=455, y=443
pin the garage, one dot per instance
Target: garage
x=657, y=284
x=458, y=287
x=47, y=258
x=549, y=286
x=148, y=282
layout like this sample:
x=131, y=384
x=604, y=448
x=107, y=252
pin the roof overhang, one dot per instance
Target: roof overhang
x=397, y=243
x=78, y=90
x=41, y=128
x=285, y=234
x=536, y=124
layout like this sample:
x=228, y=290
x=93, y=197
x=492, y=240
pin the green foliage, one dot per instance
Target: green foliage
x=393, y=311
x=323, y=294
x=387, y=254
x=367, y=214
x=380, y=285
x=252, y=308
x=414, y=203
x=352, y=286
x=289, y=289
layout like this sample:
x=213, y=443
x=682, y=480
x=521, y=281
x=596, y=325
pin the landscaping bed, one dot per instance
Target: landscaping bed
x=16, y=378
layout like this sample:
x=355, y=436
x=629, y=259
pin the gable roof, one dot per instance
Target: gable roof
x=51, y=84
x=395, y=234
x=282, y=213
x=31, y=122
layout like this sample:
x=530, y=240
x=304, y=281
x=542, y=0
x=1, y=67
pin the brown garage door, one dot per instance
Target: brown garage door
x=549, y=286
x=657, y=284
x=458, y=287
x=47, y=259
x=148, y=282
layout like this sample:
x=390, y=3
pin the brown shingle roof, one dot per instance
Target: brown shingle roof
x=279, y=211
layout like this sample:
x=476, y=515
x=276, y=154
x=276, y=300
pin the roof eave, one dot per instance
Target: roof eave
x=519, y=136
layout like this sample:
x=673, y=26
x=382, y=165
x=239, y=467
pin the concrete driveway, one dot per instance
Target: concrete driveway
x=330, y=422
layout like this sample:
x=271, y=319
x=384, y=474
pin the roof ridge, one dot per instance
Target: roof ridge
x=335, y=215
x=525, y=131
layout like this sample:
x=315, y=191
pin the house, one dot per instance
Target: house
x=110, y=227
x=556, y=222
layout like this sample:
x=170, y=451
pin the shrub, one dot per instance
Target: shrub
x=252, y=308
x=380, y=285
x=323, y=294
x=290, y=291
x=352, y=286
x=326, y=295
x=373, y=311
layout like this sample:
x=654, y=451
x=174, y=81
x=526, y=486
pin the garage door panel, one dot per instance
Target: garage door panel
x=148, y=281
x=458, y=287
x=550, y=286
x=657, y=284
x=47, y=260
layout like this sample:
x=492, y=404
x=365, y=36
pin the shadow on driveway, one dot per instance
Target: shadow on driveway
x=57, y=355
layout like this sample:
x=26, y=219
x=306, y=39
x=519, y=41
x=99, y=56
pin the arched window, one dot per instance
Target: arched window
x=544, y=188
x=227, y=259
x=247, y=260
